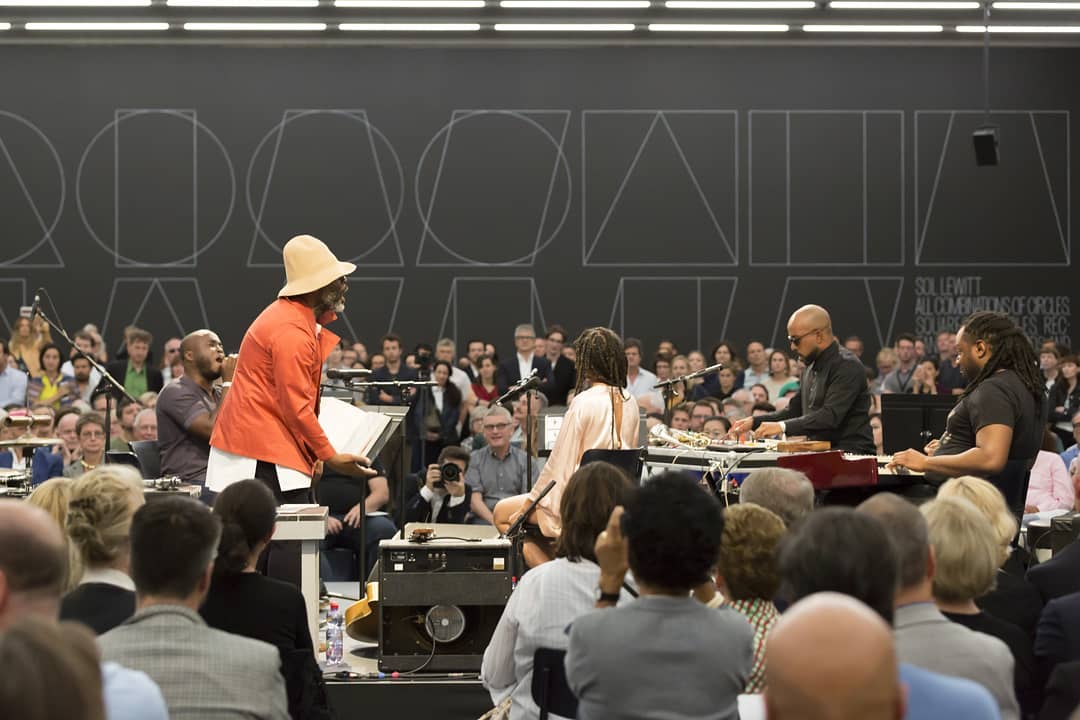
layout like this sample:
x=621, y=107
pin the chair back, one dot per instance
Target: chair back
x=149, y=455
x=550, y=691
x=123, y=457
x=629, y=461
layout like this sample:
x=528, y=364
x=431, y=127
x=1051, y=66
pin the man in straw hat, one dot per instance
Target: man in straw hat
x=268, y=425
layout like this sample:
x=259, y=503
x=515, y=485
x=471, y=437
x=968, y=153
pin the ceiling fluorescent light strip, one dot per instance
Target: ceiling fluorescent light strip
x=873, y=28
x=564, y=27
x=74, y=3
x=740, y=4
x=409, y=27
x=717, y=28
x=254, y=26
x=901, y=5
x=450, y=4
x=5, y=26
x=1021, y=29
x=243, y=3
x=1037, y=6
x=576, y=4
x=97, y=26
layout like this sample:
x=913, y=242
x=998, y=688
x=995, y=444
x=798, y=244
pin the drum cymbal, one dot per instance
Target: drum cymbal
x=30, y=442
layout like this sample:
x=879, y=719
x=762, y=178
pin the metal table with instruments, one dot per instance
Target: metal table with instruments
x=17, y=482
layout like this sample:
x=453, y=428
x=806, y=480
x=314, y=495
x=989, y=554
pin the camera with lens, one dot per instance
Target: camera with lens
x=450, y=472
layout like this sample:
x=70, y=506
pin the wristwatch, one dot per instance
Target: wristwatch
x=607, y=597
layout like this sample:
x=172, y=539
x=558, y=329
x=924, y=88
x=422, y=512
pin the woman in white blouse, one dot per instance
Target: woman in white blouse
x=604, y=416
x=556, y=593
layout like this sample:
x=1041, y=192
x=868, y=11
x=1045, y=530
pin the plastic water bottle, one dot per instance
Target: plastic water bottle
x=334, y=641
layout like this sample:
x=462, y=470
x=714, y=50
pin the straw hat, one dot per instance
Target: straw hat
x=309, y=265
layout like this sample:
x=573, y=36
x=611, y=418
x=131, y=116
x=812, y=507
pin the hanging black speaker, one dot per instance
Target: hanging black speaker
x=986, y=145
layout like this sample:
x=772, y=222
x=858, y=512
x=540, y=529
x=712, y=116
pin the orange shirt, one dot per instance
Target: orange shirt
x=271, y=410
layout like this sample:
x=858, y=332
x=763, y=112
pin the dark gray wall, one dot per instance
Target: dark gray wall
x=689, y=192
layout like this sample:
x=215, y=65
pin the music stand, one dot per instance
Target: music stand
x=911, y=421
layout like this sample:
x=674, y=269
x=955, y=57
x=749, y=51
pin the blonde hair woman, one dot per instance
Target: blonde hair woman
x=102, y=504
x=1013, y=599
x=53, y=496
x=966, y=553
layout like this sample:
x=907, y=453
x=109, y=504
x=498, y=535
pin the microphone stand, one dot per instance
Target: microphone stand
x=514, y=532
x=524, y=385
x=110, y=383
x=668, y=387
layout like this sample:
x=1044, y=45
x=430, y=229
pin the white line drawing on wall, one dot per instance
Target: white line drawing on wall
x=447, y=256
x=1020, y=134
x=21, y=260
x=861, y=295
x=388, y=286
x=12, y=296
x=375, y=142
x=451, y=320
x=701, y=285
x=120, y=116
x=865, y=199
x=715, y=248
x=146, y=287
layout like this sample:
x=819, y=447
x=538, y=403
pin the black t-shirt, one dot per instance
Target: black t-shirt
x=258, y=607
x=1001, y=399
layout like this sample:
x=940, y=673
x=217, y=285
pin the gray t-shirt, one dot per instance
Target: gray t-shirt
x=183, y=454
x=497, y=479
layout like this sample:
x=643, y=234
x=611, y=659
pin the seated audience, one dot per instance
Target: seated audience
x=1057, y=639
x=347, y=497
x=91, y=431
x=1050, y=487
x=669, y=536
x=145, y=425
x=876, y=429
x=716, y=427
x=1064, y=399
x=563, y=369
x=788, y=493
x=1072, y=450
x=13, y=381
x=680, y=417
x=867, y=569
x=497, y=470
x=475, y=440
x=50, y=387
x=202, y=672
x=134, y=372
x=762, y=409
x=886, y=363
x=1013, y=599
x=484, y=388
x=965, y=560
x=554, y=594
x=778, y=376
x=925, y=379
x=187, y=407
x=243, y=602
x=700, y=412
x=66, y=420
x=50, y=671
x=832, y=658
x=123, y=427
x=441, y=499
x=757, y=364
x=102, y=504
x=82, y=378
x=33, y=568
x=53, y=497
x=639, y=381
x=445, y=350
x=439, y=423
x=747, y=574
x=24, y=348
x=901, y=379
x=924, y=636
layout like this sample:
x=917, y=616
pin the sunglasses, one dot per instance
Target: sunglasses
x=795, y=340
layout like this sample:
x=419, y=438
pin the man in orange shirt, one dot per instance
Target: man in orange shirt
x=268, y=425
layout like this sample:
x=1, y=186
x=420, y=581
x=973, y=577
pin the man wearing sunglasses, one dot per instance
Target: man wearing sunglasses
x=834, y=400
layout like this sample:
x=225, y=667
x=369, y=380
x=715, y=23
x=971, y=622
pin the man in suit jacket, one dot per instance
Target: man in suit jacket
x=524, y=361
x=135, y=373
x=563, y=371
x=202, y=672
x=1058, y=576
x=1057, y=639
x=440, y=499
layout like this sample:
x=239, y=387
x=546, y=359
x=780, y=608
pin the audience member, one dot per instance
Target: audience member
x=148, y=400
x=346, y=499
x=669, y=536
x=53, y=497
x=832, y=658
x=123, y=430
x=563, y=370
x=202, y=672
x=102, y=504
x=1058, y=576
x=25, y=346
x=474, y=350
x=1013, y=599
x=886, y=362
x=442, y=412
x=91, y=431
x=442, y=499
x=1064, y=399
x=747, y=575
x=484, y=389
x=924, y=637
x=83, y=384
x=854, y=344
x=188, y=407
x=243, y=602
x=788, y=493
x=170, y=353
x=554, y=594
x=925, y=379
x=84, y=345
x=145, y=425
x=33, y=568
x=950, y=378
x=716, y=427
x=50, y=671
x=778, y=376
x=699, y=413
x=758, y=368
x=134, y=373
x=879, y=436
x=497, y=470
x=639, y=381
x=524, y=361
x=445, y=350
x=13, y=381
x=680, y=417
x=66, y=420
x=966, y=557
x=901, y=379
x=1049, y=357
x=49, y=386
x=759, y=394
x=1050, y=487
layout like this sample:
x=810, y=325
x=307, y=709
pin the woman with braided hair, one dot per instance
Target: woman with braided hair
x=602, y=416
x=996, y=428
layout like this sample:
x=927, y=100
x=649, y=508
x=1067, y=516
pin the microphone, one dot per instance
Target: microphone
x=705, y=371
x=37, y=304
x=347, y=373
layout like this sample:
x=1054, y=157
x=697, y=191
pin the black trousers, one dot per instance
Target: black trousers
x=281, y=559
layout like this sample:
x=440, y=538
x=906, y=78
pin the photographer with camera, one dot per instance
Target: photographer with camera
x=444, y=496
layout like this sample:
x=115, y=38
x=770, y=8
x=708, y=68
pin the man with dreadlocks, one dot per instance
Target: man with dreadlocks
x=996, y=428
x=602, y=415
